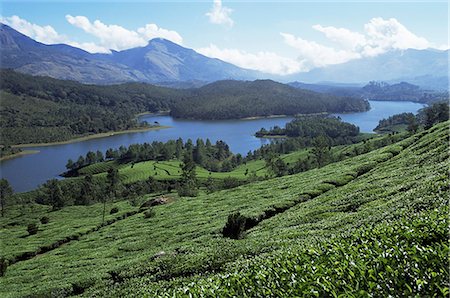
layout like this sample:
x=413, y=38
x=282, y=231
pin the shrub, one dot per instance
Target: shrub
x=187, y=190
x=3, y=266
x=32, y=229
x=114, y=210
x=235, y=226
x=231, y=182
x=44, y=220
x=149, y=213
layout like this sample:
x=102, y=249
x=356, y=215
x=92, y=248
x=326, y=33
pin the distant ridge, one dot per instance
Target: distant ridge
x=166, y=63
x=159, y=61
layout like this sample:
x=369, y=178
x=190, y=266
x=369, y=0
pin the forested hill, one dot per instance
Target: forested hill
x=239, y=99
x=37, y=109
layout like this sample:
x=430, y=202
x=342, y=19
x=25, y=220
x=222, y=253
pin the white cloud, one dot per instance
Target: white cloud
x=89, y=47
x=220, y=14
x=384, y=35
x=110, y=36
x=151, y=31
x=312, y=54
x=263, y=61
x=118, y=38
x=379, y=36
x=344, y=37
x=45, y=34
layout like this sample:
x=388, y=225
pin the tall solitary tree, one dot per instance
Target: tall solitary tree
x=113, y=180
x=321, y=150
x=189, y=186
x=5, y=193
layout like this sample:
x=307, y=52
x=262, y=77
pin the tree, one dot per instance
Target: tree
x=178, y=148
x=70, y=165
x=80, y=162
x=437, y=112
x=199, y=153
x=86, y=192
x=113, y=180
x=99, y=156
x=53, y=193
x=321, y=150
x=413, y=125
x=275, y=165
x=90, y=158
x=152, y=184
x=6, y=192
x=111, y=154
x=188, y=181
x=280, y=168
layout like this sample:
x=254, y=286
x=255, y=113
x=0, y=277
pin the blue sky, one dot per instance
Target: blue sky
x=279, y=37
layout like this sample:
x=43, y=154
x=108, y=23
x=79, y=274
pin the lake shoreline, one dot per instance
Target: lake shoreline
x=91, y=137
x=18, y=154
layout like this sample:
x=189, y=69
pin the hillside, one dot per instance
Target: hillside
x=41, y=109
x=159, y=61
x=240, y=99
x=359, y=226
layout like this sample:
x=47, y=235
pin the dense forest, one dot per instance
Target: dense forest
x=426, y=117
x=306, y=126
x=241, y=99
x=42, y=109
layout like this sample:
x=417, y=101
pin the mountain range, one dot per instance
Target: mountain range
x=166, y=63
x=425, y=68
x=160, y=61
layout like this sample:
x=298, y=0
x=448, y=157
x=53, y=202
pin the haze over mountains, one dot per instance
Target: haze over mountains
x=162, y=61
x=421, y=67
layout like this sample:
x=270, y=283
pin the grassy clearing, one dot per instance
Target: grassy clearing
x=355, y=210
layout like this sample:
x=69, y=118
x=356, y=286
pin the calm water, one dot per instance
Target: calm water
x=27, y=172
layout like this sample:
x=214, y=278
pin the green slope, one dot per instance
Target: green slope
x=375, y=223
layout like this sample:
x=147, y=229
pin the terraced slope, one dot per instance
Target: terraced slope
x=376, y=223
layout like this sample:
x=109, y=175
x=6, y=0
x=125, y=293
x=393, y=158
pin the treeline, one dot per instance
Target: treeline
x=426, y=118
x=213, y=157
x=240, y=99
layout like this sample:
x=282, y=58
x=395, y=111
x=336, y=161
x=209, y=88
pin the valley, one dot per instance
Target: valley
x=224, y=149
x=239, y=135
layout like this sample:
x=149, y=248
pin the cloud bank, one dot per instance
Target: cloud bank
x=379, y=36
x=267, y=62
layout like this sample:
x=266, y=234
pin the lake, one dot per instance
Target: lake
x=27, y=172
